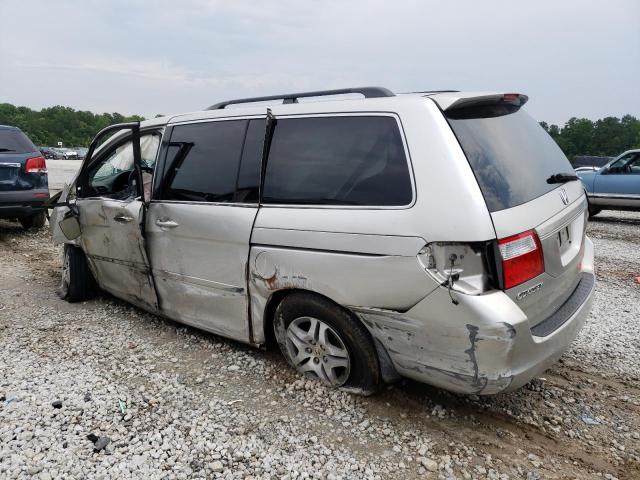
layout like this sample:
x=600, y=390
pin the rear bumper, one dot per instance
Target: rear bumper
x=17, y=204
x=483, y=345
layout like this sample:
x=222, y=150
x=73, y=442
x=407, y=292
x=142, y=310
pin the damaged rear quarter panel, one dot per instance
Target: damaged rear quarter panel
x=462, y=348
x=437, y=343
x=387, y=281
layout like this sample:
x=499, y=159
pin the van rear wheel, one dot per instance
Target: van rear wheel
x=323, y=341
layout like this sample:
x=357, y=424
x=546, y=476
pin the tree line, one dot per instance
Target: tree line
x=47, y=127
x=579, y=136
x=606, y=137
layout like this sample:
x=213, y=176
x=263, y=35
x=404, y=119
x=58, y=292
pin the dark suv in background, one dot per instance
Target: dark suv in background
x=24, y=188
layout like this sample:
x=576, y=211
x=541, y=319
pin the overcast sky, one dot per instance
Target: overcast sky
x=573, y=58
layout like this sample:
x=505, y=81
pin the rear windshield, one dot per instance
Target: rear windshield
x=509, y=153
x=14, y=141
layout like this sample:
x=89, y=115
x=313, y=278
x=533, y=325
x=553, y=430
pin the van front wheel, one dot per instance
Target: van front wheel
x=77, y=283
x=322, y=341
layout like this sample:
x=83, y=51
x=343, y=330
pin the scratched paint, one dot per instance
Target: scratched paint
x=471, y=351
x=439, y=349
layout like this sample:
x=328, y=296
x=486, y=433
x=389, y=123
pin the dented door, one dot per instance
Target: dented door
x=111, y=213
x=113, y=242
x=199, y=256
x=200, y=222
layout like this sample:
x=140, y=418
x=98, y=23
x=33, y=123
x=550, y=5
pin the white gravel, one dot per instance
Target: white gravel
x=610, y=340
x=164, y=401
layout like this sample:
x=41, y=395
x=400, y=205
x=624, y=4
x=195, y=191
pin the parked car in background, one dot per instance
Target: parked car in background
x=437, y=236
x=81, y=152
x=616, y=186
x=69, y=154
x=23, y=179
x=590, y=161
x=586, y=169
x=48, y=153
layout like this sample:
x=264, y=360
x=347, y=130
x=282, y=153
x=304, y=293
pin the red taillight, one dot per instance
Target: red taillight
x=511, y=97
x=36, y=165
x=522, y=258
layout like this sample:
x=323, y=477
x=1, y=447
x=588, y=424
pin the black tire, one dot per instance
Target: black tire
x=364, y=371
x=593, y=211
x=33, y=221
x=77, y=282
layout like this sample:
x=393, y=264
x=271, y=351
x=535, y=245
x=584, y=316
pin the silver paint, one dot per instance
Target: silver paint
x=316, y=349
x=220, y=266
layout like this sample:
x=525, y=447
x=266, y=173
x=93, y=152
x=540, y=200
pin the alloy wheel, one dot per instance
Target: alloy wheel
x=317, y=350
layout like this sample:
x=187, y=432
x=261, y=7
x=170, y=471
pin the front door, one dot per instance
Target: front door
x=200, y=220
x=619, y=184
x=111, y=214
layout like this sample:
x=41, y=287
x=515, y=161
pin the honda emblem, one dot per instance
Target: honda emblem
x=564, y=196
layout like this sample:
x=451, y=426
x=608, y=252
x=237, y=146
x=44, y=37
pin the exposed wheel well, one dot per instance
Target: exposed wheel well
x=277, y=297
x=387, y=369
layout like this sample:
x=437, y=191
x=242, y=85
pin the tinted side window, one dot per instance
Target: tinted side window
x=203, y=161
x=337, y=161
x=249, y=175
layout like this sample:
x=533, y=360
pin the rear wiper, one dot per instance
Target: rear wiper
x=562, y=178
x=6, y=150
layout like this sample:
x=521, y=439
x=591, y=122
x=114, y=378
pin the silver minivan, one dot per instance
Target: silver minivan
x=438, y=236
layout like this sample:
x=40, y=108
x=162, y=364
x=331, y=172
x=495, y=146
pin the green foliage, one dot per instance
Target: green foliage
x=51, y=125
x=579, y=136
x=606, y=137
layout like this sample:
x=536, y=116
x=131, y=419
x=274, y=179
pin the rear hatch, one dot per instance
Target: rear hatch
x=22, y=166
x=533, y=208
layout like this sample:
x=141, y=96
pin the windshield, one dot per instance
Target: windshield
x=510, y=154
x=629, y=163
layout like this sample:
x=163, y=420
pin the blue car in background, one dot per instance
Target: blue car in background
x=24, y=187
x=616, y=186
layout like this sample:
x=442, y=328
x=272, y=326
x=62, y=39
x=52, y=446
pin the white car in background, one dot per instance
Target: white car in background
x=69, y=154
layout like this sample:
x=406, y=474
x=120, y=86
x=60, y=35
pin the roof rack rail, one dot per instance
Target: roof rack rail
x=367, y=92
x=433, y=92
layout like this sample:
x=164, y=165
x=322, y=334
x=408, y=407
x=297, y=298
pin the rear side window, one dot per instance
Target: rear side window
x=337, y=161
x=14, y=141
x=510, y=154
x=203, y=161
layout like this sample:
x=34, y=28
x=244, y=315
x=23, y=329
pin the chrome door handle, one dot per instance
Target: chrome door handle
x=167, y=224
x=121, y=218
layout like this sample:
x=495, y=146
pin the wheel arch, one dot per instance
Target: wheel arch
x=76, y=243
x=277, y=296
x=385, y=364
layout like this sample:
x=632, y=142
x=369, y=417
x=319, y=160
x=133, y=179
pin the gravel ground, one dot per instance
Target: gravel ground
x=103, y=390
